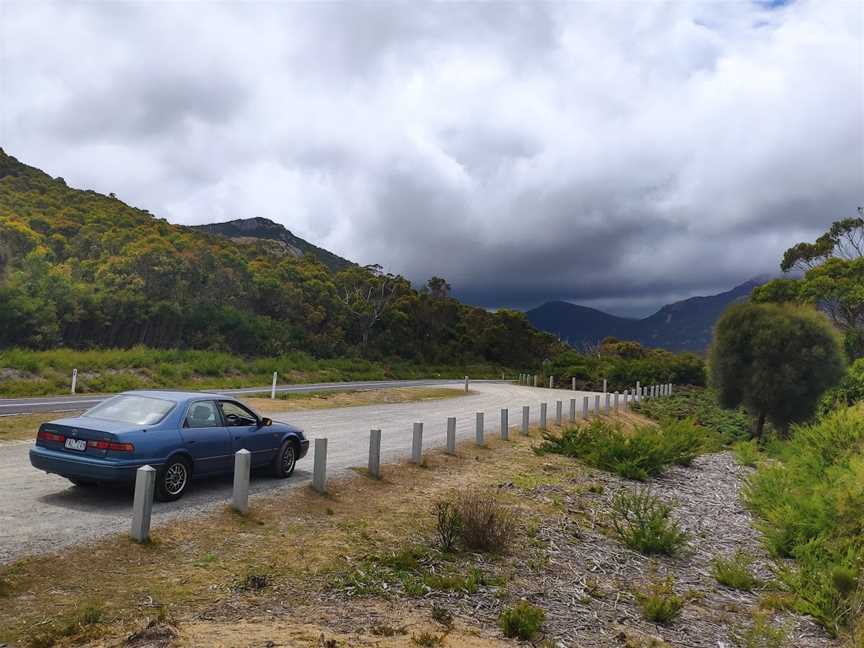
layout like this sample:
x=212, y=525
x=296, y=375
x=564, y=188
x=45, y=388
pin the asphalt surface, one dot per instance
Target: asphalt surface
x=45, y=513
x=84, y=401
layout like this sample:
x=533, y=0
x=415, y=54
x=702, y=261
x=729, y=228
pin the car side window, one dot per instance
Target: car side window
x=236, y=415
x=203, y=414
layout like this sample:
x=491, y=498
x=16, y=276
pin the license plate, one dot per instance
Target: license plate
x=76, y=444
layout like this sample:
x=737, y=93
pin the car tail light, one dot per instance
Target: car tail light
x=44, y=435
x=111, y=445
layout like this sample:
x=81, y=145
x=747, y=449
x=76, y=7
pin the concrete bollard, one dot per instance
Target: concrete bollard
x=74, y=380
x=466, y=384
x=505, y=424
x=551, y=382
x=535, y=380
x=451, y=435
x=607, y=404
x=584, y=407
x=142, y=503
x=637, y=394
x=671, y=389
x=597, y=405
x=572, y=410
x=604, y=385
x=573, y=384
x=375, y=454
x=542, y=416
x=319, y=466
x=478, y=429
x=417, y=444
x=242, y=468
x=615, y=402
x=559, y=406
x=273, y=387
x=526, y=419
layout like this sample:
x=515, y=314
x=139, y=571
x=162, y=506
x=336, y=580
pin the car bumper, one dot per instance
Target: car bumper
x=83, y=467
x=304, y=448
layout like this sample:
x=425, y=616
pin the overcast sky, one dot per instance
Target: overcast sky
x=618, y=155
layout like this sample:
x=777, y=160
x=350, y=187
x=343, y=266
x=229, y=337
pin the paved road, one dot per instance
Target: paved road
x=84, y=401
x=40, y=513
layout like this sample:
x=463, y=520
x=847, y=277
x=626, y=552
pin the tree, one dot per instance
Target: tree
x=774, y=360
x=367, y=293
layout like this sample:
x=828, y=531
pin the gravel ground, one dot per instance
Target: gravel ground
x=41, y=513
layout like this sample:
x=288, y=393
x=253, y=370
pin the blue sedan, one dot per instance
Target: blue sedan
x=181, y=434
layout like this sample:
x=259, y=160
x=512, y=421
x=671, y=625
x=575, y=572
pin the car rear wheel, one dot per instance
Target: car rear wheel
x=172, y=480
x=285, y=460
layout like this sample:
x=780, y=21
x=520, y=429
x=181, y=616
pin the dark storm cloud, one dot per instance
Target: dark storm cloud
x=619, y=155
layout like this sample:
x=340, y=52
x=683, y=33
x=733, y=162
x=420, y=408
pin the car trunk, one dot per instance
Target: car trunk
x=72, y=436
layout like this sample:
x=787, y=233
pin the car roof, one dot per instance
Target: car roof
x=176, y=396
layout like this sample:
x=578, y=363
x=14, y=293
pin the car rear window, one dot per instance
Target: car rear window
x=139, y=410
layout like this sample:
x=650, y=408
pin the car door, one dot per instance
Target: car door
x=247, y=432
x=206, y=438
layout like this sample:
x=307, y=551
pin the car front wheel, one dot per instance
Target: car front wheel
x=172, y=480
x=285, y=460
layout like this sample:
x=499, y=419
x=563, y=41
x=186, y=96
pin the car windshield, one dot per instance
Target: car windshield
x=140, y=410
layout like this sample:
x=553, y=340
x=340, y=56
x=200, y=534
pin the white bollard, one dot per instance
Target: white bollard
x=638, y=393
x=375, y=454
x=142, y=503
x=417, y=444
x=466, y=384
x=671, y=388
x=626, y=398
x=319, y=466
x=597, y=405
x=615, y=402
x=584, y=407
x=273, y=387
x=535, y=380
x=240, y=494
x=451, y=435
x=551, y=382
x=607, y=403
x=505, y=424
x=526, y=418
x=604, y=385
x=559, y=407
x=572, y=410
x=74, y=380
x=573, y=383
x=542, y=416
x=478, y=429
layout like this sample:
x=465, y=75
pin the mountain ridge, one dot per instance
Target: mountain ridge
x=685, y=325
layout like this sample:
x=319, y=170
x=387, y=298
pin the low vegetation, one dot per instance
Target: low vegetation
x=735, y=572
x=659, y=603
x=638, y=453
x=644, y=523
x=701, y=406
x=747, y=452
x=522, y=621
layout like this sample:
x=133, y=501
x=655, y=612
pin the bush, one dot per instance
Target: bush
x=735, y=572
x=522, y=621
x=639, y=455
x=643, y=523
x=485, y=523
x=761, y=634
x=702, y=407
x=746, y=452
x=659, y=602
x=448, y=525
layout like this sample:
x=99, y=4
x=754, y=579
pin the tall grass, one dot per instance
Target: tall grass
x=811, y=503
x=37, y=373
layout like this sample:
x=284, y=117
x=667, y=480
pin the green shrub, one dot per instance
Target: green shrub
x=522, y=621
x=746, y=452
x=659, y=602
x=761, y=634
x=735, y=572
x=643, y=523
x=485, y=523
x=701, y=406
x=643, y=453
x=448, y=524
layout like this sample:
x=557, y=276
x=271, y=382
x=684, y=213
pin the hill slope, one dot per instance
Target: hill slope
x=252, y=230
x=683, y=326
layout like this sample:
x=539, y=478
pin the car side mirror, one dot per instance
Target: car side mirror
x=266, y=422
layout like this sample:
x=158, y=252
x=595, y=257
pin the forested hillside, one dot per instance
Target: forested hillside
x=85, y=270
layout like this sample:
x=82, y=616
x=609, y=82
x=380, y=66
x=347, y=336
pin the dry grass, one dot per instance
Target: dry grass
x=24, y=426
x=330, y=400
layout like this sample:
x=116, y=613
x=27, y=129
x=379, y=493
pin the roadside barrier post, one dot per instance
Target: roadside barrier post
x=273, y=387
x=604, y=385
x=637, y=394
x=451, y=435
x=607, y=403
x=466, y=384
x=597, y=405
x=584, y=407
x=573, y=384
x=375, y=454
x=417, y=444
x=240, y=494
x=478, y=429
x=542, y=416
x=615, y=402
x=670, y=389
x=319, y=466
x=559, y=406
x=142, y=503
x=572, y=410
x=505, y=424
x=74, y=380
x=551, y=382
x=526, y=416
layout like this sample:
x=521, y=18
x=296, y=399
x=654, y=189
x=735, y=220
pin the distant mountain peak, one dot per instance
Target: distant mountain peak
x=258, y=228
